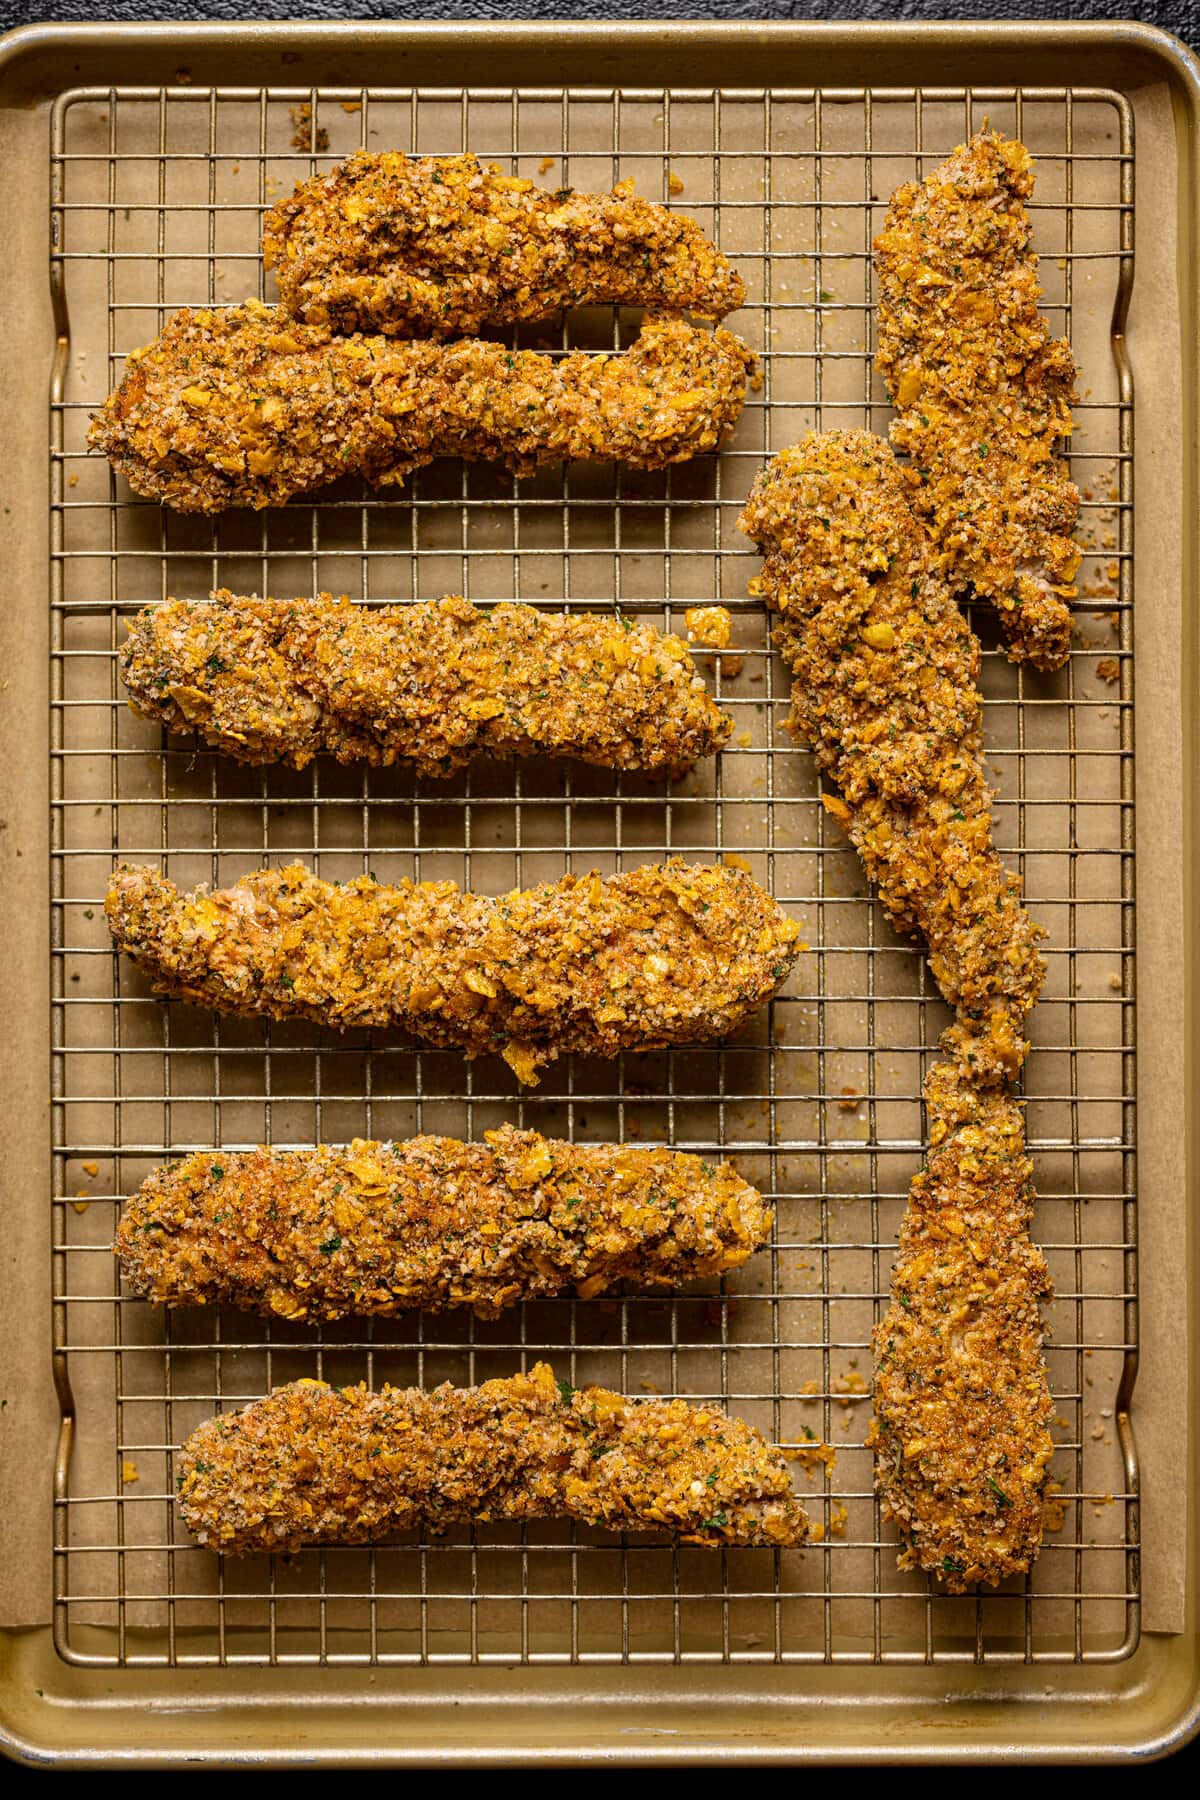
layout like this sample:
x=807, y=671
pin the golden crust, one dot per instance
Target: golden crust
x=432, y=1223
x=244, y=407
x=675, y=954
x=982, y=390
x=961, y=1431
x=438, y=246
x=885, y=691
x=434, y=684
x=311, y=1464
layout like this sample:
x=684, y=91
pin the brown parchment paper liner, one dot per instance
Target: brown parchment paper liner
x=28, y=1409
x=785, y=1343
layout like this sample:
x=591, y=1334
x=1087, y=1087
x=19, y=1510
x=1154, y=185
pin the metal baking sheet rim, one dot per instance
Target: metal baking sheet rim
x=52, y=1715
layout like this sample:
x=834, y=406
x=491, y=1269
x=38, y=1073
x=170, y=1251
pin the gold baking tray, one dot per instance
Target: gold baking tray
x=137, y=162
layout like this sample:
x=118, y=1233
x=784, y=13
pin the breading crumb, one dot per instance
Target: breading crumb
x=708, y=626
x=303, y=136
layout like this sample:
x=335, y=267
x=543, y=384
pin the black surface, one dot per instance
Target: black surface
x=1179, y=16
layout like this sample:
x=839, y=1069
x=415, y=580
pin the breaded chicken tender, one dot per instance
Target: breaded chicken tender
x=671, y=954
x=434, y=684
x=983, y=391
x=439, y=246
x=884, y=689
x=243, y=406
x=432, y=1223
x=312, y=1464
x=961, y=1431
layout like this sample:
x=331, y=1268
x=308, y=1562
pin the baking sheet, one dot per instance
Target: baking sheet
x=1159, y=490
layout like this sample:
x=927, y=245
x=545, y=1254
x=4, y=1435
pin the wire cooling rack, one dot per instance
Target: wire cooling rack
x=156, y=201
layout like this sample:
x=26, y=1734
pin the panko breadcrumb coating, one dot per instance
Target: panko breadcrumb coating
x=243, y=406
x=961, y=1431
x=983, y=391
x=884, y=689
x=433, y=685
x=671, y=954
x=312, y=1464
x=438, y=246
x=432, y=1223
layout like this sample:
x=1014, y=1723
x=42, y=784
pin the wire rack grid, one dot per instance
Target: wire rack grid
x=156, y=201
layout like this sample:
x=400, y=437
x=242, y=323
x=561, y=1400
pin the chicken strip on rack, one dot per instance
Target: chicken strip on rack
x=437, y=246
x=983, y=391
x=243, y=406
x=670, y=954
x=312, y=1464
x=961, y=1431
x=434, y=685
x=884, y=689
x=377, y=1229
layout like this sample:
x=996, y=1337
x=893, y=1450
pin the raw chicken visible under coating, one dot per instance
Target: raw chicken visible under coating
x=431, y=1223
x=983, y=391
x=245, y=407
x=671, y=954
x=433, y=684
x=438, y=246
x=884, y=690
x=962, y=1406
x=311, y=1464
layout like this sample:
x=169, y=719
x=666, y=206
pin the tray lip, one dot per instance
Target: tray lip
x=1180, y=67
x=1184, y=63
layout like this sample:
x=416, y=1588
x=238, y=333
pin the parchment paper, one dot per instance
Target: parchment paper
x=827, y=1323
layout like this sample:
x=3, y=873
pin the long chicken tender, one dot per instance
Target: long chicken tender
x=983, y=391
x=245, y=407
x=884, y=689
x=312, y=1464
x=962, y=1405
x=670, y=954
x=433, y=685
x=438, y=246
x=432, y=1223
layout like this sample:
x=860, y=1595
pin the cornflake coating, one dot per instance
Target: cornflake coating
x=245, y=407
x=438, y=246
x=676, y=954
x=961, y=1431
x=884, y=689
x=434, y=684
x=431, y=1223
x=983, y=391
x=311, y=1464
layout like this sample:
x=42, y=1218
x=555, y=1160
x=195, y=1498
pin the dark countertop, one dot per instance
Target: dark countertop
x=1179, y=16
